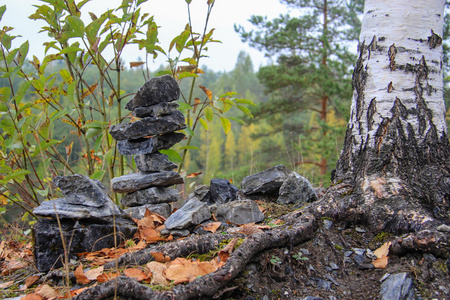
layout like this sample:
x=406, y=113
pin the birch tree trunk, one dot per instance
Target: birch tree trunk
x=396, y=151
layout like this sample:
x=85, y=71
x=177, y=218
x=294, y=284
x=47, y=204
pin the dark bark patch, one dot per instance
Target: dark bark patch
x=434, y=40
x=391, y=53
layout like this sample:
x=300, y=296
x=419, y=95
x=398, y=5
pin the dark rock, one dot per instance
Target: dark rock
x=138, y=212
x=398, y=287
x=81, y=190
x=62, y=209
x=239, y=212
x=148, y=127
x=202, y=193
x=154, y=91
x=157, y=110
x=149, y=145
x=296, y=189
x=79, y=237
x=139, y=181
x=222, y=191
x=268, y=181
x=328, y=224
x=362, y=262
x=154, y=162
x=153, y=195
x=192, y=213
x=313, y=298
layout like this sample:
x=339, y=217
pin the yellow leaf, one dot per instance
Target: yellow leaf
x=380, y=263
x=212, y=226
x=89, y=91
x=207, y=92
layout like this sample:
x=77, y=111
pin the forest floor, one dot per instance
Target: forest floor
x=326, y=266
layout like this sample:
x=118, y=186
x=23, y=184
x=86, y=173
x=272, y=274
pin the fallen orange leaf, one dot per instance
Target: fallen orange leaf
x=383, y=250
x=212, y=226
x=380, y=263
x=33, y=296
x=157, y=270
x=30, y=281
x=137, y=274
x=79, y=275
x=160, y=257
x=183, y=270
x=13, y=266
x=227, y=250
x=92, y=274
x=107, y=277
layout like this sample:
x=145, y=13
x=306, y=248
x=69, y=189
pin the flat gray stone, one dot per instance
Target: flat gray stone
x=192, y=213
x=296, y=189
x=149, y=145
x=153, y=195
x=149, y=126
x=268, y=181
x=80, y=189
x=398, y=287
x=202, y=193
x=154, y=162
x=154, y=91
x=138, y=212
x=139, y=181
x=222, y=191
x=65, y=210
x=157, y=110
x=239, y=212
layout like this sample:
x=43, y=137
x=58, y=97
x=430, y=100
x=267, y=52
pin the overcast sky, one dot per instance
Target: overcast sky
x=171, y=16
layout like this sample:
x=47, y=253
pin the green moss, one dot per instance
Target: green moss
x=382, y=237
x=441, y=266
x=338, y=247
x=327, y=218
x=213, y=253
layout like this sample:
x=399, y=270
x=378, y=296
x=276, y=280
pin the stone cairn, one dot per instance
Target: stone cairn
x=87, y=217
x=154, y=131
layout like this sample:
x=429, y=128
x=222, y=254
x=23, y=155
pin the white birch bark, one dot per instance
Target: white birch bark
x=400, y=62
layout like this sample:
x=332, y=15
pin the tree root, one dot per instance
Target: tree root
x=210, y=284
x=431, y=241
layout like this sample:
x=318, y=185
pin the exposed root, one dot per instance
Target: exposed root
x=431, y=241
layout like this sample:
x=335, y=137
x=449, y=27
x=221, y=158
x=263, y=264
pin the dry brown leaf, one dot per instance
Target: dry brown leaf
x=194, y=174
x=33, y=296
x=227, y=250
x=383, y=251
x=136, y=64
x=249, y=229
x=107, y=277
x=92, y=274
x=207, y=92
x=6, y=285
x=79, y=275
x=30, y=281
x=157, y=270
x=137, y=274
x=47, y=292
x=183, y=270
x=14, y=265
x=160, y=257
x=76, y=292
x=89, y=91
x=212, y=226
x=380, y=263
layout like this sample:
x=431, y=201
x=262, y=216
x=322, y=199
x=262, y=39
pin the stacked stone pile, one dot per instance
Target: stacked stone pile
x=154, y=131
x=88, y=219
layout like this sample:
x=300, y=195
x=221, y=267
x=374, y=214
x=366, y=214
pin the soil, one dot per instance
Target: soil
x=328, y=273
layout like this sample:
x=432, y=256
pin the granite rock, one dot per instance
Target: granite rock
x=222, y=191
x=153, y=195
x=157, y=110
x=239, y=212
x=138, y=212
x=139, y=181
x=154, y=162
x=149, y=145
x=156, y=90
x=149, y=126
x=192, y=213
x=81, y=190
x=268, y=181
x=296, y=189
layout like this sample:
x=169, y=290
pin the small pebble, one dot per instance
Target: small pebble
x=334, y=266
x=348, y=253
x=328, y=224
x=359, y=251
x=360, y=230
x=305, y=251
